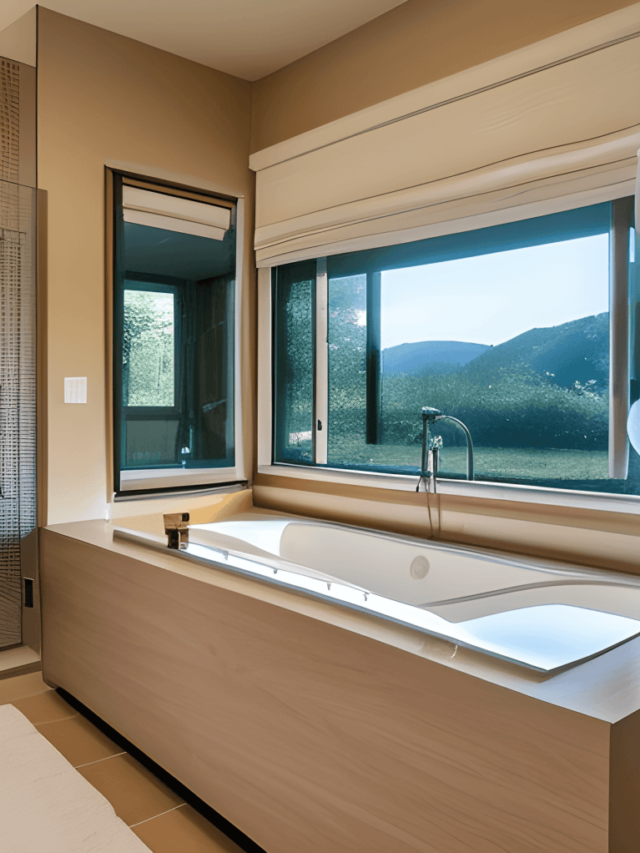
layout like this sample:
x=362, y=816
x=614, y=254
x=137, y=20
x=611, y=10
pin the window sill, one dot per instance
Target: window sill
x=475, y=489
x=172, y=478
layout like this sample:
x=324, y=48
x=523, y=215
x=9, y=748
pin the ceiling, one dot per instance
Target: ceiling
x=247, y=38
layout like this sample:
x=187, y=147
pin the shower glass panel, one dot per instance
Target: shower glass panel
x=17, y=398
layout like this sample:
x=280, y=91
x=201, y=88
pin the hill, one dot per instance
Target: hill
x=424, y=357
x=574, y=351
x=577, y=351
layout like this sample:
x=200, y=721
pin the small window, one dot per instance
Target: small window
x=522, y=331
x=174, y=297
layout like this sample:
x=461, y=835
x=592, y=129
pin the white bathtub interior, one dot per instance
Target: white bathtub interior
x=537, y=613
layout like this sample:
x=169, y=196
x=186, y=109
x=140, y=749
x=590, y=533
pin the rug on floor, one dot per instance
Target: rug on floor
x=46, y=805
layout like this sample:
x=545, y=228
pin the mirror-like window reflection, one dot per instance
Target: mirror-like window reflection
x=174, y=333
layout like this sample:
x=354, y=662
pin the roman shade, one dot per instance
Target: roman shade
x=552, y=126
x=172, y=213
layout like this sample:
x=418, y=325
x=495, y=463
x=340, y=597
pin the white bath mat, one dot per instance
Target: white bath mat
x=46, y=805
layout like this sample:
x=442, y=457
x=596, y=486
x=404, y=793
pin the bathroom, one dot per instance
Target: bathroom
x=273, y=667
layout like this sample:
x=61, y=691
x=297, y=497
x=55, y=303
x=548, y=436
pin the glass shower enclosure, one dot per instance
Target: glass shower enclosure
x=17, y=347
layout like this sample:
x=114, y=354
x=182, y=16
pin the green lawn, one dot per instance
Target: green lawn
x=490, y=463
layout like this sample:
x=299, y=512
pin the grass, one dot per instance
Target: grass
x=491, y=463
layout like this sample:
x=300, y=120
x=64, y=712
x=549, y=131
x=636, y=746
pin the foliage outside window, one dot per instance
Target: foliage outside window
x=506, y=328
x=148, y=348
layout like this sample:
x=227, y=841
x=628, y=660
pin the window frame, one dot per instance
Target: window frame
x=622, y=213
x=127, y=484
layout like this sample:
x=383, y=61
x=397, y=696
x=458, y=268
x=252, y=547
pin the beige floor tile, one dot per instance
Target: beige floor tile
x=183, y=830
x=45, y=708
x=19, y=686
x=134, y=793
x=78, y=740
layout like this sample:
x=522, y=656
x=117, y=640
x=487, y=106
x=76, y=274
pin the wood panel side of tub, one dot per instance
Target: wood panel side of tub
x=311, y=738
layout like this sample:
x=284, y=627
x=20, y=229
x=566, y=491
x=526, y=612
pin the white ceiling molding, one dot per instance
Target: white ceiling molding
x=246, y=38
x=553, y=126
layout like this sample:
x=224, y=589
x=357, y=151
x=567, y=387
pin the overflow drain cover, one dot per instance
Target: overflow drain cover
x=419, y=567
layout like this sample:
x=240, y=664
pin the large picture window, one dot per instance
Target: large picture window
x=174, y=310
x=526, y=332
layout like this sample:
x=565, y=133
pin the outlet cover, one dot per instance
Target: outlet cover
x=75, y=389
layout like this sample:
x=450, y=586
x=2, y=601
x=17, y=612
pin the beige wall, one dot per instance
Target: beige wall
x=18, y=40
x=107, y=100
x=410, y=46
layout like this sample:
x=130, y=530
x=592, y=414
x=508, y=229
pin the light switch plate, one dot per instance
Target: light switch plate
x=75, y=389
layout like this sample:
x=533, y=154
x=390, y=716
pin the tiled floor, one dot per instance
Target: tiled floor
x=158, y=816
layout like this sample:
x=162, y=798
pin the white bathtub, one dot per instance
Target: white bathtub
x=540, y=614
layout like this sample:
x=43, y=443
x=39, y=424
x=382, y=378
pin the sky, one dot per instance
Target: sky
x=492, y=298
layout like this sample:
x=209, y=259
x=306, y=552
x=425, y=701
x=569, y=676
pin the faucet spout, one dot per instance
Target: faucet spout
x=430, y=448
x=469, y=443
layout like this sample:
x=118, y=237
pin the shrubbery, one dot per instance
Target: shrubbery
x=519, y=409
x=148, y=349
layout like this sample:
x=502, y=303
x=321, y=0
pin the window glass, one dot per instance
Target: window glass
x=507, y=329
x=516, y=345
x=174, y=334
x=347, y=337
x=294, y=341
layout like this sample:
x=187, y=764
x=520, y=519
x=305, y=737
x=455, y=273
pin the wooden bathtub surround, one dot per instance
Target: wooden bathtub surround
x=315, y=729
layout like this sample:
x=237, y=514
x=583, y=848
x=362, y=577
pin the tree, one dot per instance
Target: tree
x=148, y=349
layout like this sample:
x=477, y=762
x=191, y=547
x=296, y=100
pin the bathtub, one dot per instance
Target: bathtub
x=539, y=614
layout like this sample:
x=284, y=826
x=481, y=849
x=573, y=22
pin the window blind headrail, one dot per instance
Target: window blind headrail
x=170, y=206
x=169, y=223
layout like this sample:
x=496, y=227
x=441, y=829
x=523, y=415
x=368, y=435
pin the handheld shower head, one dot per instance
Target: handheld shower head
x=430, y=415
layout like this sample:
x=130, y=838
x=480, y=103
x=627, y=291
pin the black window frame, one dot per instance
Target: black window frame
x=152, y=282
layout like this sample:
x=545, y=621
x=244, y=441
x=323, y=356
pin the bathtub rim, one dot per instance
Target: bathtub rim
x=281, y=564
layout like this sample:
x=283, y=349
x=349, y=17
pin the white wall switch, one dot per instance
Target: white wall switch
x=75, y=389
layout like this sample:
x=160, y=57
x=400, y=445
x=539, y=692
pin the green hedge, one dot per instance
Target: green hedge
x=519, y=409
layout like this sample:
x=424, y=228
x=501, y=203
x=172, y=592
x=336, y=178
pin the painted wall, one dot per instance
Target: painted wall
x=105, y=100
x=18, y=40
x=410, y=46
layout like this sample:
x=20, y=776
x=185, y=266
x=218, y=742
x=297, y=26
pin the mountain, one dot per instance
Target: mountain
x=574, y=351
x=422, y=357
x=570, y=352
